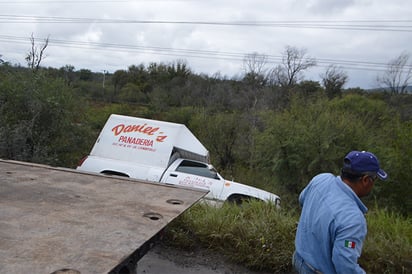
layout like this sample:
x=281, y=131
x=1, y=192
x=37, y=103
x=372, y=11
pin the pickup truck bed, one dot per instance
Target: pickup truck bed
x=55, y=218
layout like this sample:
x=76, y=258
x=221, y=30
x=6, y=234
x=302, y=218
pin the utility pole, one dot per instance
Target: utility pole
x=104, y=77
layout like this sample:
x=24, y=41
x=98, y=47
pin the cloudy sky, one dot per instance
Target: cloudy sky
x=212, y=36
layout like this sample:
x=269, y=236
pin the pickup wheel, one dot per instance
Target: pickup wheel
x=238, y=199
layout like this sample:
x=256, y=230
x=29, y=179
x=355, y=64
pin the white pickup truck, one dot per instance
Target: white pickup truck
x=163, y=152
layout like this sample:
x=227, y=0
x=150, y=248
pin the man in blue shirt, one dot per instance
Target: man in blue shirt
x=332, y=226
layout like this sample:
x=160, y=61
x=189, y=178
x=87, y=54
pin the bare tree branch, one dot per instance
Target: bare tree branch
x=35, y=56
x=255, y=75
x=255, y=63
x=398, y=75
x=294, y=62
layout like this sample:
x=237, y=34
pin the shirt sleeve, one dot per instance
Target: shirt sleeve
x=303, y=194
x=302, y=197
x=348, y=243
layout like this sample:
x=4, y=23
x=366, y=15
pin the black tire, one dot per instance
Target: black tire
x=238, y=199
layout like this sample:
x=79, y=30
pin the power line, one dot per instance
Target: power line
x=360, y=25
x=192, y=53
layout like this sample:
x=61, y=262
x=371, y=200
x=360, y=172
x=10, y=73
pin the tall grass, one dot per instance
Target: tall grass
x=388, y=247
x=256, y=234
x=261, y=237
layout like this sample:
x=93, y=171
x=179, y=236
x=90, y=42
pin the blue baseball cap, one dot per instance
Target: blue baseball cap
x=360, y=162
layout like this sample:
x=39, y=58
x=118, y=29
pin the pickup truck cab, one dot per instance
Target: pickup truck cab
x=204, y=176
x=166, y=153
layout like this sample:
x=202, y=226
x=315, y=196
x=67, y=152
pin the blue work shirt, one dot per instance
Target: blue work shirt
x=332, y=226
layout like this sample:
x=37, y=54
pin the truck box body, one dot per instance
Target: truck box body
x=142, y=148
x=147, y=142
x=162, y=152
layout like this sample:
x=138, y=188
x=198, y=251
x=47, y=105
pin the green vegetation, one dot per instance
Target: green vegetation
x=262, y=237
x=388, y=247
x=256, y=234
x=258, y=132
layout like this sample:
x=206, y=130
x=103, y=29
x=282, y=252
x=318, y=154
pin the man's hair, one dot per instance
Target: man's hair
x=352, y=177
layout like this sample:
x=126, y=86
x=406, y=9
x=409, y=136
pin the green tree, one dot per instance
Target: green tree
x=308, y=89
x=333, y=81
x=312, y=137
x=138, y=76
x=220, y=133
x=86, y=75
x=39, y=120
x=132, y=93
x=68, y=74
x=119, y=80
x=396, y=158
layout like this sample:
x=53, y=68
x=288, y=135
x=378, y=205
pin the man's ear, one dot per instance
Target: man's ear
x=366, y=180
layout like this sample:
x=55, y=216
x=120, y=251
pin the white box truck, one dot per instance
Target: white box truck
x=163, y=152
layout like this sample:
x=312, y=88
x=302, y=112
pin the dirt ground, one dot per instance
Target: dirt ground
x=162, y=259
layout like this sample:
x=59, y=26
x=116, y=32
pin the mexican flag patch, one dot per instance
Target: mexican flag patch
x=349, y=244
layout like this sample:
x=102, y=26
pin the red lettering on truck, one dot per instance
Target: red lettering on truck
x=136, y=141
x=145, y=129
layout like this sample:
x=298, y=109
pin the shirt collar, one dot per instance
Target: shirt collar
x=348, y=191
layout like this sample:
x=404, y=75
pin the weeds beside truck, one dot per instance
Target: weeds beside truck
x=163, y=152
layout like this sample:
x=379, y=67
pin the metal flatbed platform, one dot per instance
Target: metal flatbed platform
x=60, y=219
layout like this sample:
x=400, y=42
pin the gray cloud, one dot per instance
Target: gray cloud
x=210, y=48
